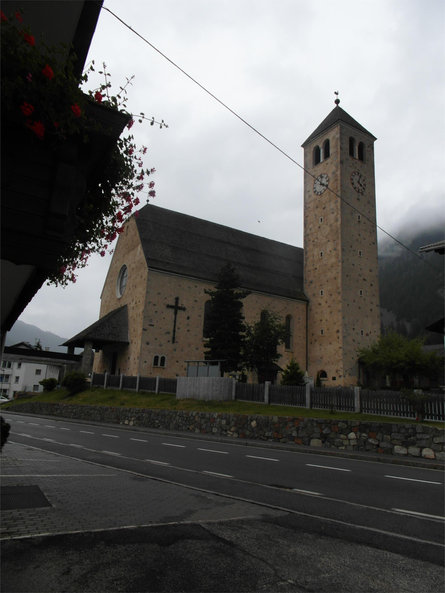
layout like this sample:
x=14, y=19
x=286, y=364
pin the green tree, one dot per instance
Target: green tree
x=400, y=358
x=262, y=340
x=292, y=374
x=224, y=326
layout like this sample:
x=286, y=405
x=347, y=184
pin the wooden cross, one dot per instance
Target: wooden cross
x=176, y=308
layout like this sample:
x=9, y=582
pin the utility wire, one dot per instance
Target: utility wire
x=285, y=154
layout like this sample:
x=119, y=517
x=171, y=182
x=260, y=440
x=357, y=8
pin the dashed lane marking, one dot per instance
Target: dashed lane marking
x=339, y=469
x=412, y=479
x=263, y=458
x=213, y=451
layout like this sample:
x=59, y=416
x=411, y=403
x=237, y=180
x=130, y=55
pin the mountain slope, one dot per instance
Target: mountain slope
x=25, y=332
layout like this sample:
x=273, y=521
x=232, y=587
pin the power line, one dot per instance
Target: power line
x=245, y=122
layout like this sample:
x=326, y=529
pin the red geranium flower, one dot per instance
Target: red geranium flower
x=130, y=124
x=76, y=110
x=48, y=72
x=3, y=16
x=38, y=128
x=98, y=96
x=29, y=38
x=18, y=16
x=27, y=108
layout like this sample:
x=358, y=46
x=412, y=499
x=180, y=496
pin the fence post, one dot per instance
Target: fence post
x=137, y=381
x=157, y=384
x=121, y=380
x=266, y=391
x=357, y=402
x=233, y=389
x=308, y=395
x=105, y=379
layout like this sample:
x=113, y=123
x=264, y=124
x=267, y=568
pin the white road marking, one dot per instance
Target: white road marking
x=113, y=436
x=174, y=445
x=86, y=431
x=157, y=462
x=49, y=440
x=74, y=445
x=412, y=479
x=306, y=492
x=264, y=458
x=339, y=469
x=57, y=475
x=111, y=453
x=214, y=451
x=62, y=428
x=139, y=440
x=49, y=426
x=416, y=514
x=33, y=424
x=217, y=474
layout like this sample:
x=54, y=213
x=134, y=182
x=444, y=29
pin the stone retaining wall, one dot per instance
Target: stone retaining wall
x=390, y=438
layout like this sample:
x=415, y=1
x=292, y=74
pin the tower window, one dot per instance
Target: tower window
x=322, y=332
x=351, y=146
x=156, y=360
x=361, y=151
x=359, y=218
x=362, y=333
x=162, y=361
x=360, y=292
x=360, y=253
x=321, y=292
x=317, y=155
x=321, y=219
x=326, y=149
x=321, y=253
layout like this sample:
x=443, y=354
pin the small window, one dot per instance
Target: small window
x=321, y=292
x=288, y=332
x=322, y=375
x=162, y=361
x=326, y=149
x=317, y=155
x=321, y=219
x=322, y=332
x=156, y=360
x=38, y=371
x=361, y=151
x=351, y=146
x=360, y=253
x=359, y=218
x=321, y=253
x=360, y=292
x=16, y=379
x=19, y=365
x=362, y=333
x=35, y=387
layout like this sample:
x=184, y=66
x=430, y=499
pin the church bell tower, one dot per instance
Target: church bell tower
x=340, y=247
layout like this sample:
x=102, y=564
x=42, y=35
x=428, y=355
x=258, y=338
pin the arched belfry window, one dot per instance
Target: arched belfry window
x=351, y=146
x=361, y=151
x=317, y=155
x=326, y=149
x=288, y=332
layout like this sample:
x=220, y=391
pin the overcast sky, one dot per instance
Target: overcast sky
x=277, y=64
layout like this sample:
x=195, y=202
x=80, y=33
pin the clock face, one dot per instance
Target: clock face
x=358, y=182
x=321, y=183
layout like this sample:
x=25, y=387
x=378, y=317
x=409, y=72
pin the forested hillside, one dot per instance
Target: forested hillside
x=412, y=289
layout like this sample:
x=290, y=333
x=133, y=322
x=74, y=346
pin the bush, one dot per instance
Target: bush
x=49, y=384
x=74, y=382
x=4, y=431
x=292, y=374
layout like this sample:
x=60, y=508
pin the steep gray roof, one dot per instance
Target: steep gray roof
x=112, y=328
x=337, y=115
x=185, y=245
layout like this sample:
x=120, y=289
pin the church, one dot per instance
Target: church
x=153, y=301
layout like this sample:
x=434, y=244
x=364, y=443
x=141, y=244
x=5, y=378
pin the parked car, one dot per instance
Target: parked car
x=3, y=399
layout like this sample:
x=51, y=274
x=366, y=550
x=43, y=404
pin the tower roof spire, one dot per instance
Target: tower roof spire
x=337, y=100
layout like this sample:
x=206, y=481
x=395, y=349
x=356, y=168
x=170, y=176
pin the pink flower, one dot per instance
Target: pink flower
x=4, y=18
x=102, y=253
x=48, y=72
x=18, y=16
x=130, y=124
x=29, y=77
x=144, y=150
x=152, y=193
x=29, y=39
x=38, y=128
x=151, y=184
x=136, y=201
x=76, y=110
x=98, y=96
x=27, y=108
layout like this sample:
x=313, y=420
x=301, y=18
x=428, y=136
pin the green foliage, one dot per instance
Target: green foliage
x=292, y=374
x=4, y=431
x=224, y=326
x=49, y=384
x=261, y=343
x=395, y=355
x=74, y=382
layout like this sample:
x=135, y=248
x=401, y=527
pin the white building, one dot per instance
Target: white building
x=23, y=367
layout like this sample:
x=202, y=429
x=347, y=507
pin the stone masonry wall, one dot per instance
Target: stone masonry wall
x=387, y=438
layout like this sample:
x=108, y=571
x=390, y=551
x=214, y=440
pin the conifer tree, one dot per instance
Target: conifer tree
x=262, y=340
x=224, y=326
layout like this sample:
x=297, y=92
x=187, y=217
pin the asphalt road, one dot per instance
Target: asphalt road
x=399, y=508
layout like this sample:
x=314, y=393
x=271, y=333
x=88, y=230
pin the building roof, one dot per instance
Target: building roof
x=189, y=246
x=337, y=115
x=438, y=247
x=110, y=329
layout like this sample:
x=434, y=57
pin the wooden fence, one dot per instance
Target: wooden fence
x=383, y=403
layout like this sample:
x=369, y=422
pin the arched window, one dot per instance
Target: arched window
x=317, y=155
x=351, y=146
x=322, y=375
x=361, y=151
x=288, y=332
x=162, y=361
x=205, y=326
x=156, y=360
x=326, y=149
